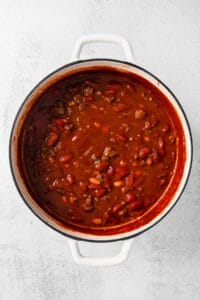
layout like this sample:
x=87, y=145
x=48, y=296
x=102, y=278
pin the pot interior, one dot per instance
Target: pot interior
x=154, y=214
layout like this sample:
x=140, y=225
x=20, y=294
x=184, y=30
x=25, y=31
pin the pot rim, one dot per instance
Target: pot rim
x=109, y=238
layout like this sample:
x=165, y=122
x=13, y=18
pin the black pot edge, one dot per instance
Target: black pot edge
x=84, y=61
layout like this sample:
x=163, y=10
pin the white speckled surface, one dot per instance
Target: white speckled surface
x=36, y=38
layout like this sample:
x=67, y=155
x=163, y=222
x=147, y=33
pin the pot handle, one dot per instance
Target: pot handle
x=74, y=245
x=105, y=261
x=103, y=38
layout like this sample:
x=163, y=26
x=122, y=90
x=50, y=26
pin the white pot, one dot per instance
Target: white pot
x=27, y=104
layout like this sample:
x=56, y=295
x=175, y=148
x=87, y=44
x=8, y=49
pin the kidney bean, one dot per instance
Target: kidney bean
x=65, y=158
x=52, y=139
x=130, y=197
x=129, y=180
x=136, y=204
x=60, y=146
x=99, y=192
x=166, y=128
x=83, y=186
x=116, y=208
x=107, y=183
x=97, y=221
x=93, y=186
x=61, y=123
x=75, y=138
x=172, y=139
x=110, y=171
x=138, y=181
x=102, y=165
x=121, y=172
x=57, y=183
x=107, y=216
x=161, y=145
x=70, y=179
x=144, y=152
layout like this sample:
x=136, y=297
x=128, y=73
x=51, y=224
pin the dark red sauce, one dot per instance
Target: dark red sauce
x=102, y=151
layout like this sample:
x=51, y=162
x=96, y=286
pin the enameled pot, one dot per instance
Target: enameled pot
x=72, y=67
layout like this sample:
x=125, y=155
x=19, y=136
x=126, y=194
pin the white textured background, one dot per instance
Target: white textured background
x=36, y=37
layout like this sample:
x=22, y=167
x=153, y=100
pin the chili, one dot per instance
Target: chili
x=100, y=148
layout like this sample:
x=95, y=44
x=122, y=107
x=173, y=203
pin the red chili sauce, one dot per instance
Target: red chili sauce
x=99, y=148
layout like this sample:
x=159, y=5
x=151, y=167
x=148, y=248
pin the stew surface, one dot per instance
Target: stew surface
x=98, y=149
